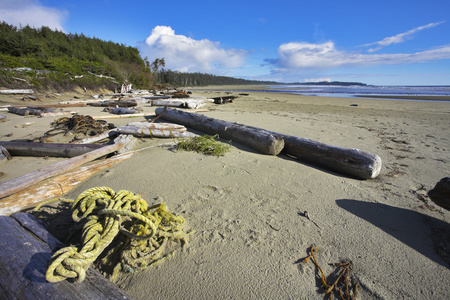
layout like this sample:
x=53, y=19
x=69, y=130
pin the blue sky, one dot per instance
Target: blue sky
x=383, y=42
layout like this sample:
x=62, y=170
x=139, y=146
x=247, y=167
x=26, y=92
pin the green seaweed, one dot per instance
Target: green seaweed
x=206, y=144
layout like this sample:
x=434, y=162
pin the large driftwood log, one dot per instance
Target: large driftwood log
x=14, y=185
x=122, y=116
x=346, y=161
x=114, y=103
x=353, y=162
x=256, y=138
x=56, y=186
x=48, y=149
x=187, y=103
x=25, y=251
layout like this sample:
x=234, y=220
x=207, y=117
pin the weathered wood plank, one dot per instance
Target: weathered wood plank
x=24, y=261
x=14, y=185
x=256, y=138
x=48, y=149
x=56, y=186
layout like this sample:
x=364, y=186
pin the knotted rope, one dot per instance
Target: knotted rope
x=141, y=234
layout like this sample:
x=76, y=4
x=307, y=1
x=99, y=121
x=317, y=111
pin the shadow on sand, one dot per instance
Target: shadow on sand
x=427, y=235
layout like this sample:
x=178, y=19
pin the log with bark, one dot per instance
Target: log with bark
x=14, y=185
x=114, y=103
x=26, y=248
x=253, y=137
x=353, y=162
x=48, y=149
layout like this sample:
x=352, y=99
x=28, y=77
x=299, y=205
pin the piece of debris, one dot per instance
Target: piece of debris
x=343, y=285
x=306, y=214
x=223, y=100
x=205, y=144
x=3, y=118
x=77, y=124
x=24, y=125
x=139, y=238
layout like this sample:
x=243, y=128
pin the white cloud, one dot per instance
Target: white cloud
x=324, y=79
x=32, y=13
x=400, y=38
x=187, y=54
x=298, y=56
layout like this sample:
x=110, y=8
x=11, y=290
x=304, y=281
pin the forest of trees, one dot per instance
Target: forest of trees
x=67, y=57
x=202, y=79
x=62, y=58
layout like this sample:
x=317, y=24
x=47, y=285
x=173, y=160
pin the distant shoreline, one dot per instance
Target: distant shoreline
x=408, y=97
x=267, y=89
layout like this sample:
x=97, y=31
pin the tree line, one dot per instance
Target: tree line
x=67, y=56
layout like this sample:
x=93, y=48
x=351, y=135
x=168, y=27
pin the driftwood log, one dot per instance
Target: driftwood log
x=25, y=251
x=353, y=162
x=253, y=137
x=346, y=161
x=56, y=186
x=48, y=149
x=12, y=92
x=160, y=130
x=114, y=103
x=14, y=185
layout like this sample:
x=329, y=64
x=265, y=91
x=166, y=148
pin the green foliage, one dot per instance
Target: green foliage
x=205, y=144
x=71, y=54
x=201, y=79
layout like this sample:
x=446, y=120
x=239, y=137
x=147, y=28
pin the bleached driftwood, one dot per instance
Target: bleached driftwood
x=148, y=132
x=12, y=92
x=256, y=138
x=188, y=103
x=55, y=114
x=56, y=186
x=160, y=126
x=124, y=111
x=14, y=185
x=128, y=142
x=122, y=116
x=48, y=149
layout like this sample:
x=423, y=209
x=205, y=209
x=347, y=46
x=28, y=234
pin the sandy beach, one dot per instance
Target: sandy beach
x=247, y=209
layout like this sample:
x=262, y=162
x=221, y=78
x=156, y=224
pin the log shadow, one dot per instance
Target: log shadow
x=427, y=235
x=36, y=268
x=318, y=167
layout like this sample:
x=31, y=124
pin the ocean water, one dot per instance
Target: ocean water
x=351, y=91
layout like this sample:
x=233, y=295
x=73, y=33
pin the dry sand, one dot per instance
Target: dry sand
x=247, y=208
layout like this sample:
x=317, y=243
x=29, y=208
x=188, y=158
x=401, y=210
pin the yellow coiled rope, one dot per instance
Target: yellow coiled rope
x=140, y=233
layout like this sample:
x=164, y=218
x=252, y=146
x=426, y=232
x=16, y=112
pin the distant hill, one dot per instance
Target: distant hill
x=201, y=79
x=331, y=83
